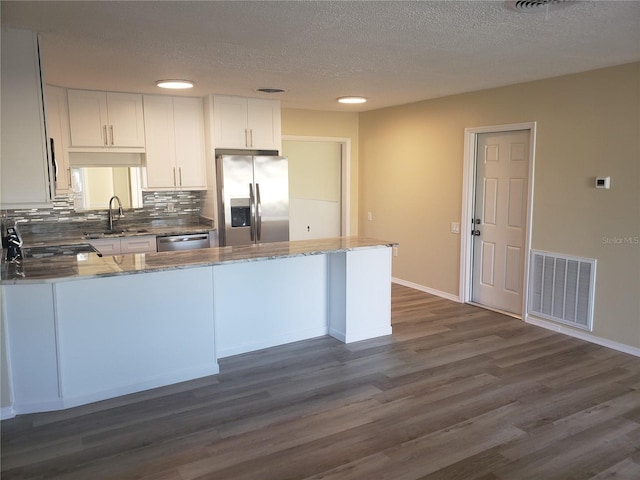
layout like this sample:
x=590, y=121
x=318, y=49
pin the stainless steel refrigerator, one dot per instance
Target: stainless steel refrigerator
x=253, y=199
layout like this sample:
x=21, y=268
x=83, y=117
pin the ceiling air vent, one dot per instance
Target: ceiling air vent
x=270, y=90
x=534, y=6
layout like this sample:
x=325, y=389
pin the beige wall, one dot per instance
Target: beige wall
x=588, y=125
x=310, y=123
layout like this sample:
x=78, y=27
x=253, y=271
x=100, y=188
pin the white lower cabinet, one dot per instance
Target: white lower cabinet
x=138, y=244
x=125, y=245
x=106, y=246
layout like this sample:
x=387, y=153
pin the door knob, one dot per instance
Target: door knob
x=475, y=233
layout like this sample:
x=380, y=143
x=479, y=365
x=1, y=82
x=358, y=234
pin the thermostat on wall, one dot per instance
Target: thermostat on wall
x=603, y=182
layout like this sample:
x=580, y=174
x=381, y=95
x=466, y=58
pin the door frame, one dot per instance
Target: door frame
x=468, y=195
x=345, y=175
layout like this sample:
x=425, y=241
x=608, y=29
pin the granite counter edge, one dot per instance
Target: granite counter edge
x=182, y=266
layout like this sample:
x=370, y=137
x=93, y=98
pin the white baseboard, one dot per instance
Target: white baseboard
x=358, y=336
x=368, y=334
x=621, y=347
x=160, y=381
x=338, y=335
x=290, y=337
x=422, y=288
x=7, y=412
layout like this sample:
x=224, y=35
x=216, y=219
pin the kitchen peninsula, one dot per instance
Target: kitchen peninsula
x=85, y=328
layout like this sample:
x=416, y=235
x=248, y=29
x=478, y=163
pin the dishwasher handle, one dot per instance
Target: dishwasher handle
x=182, y=242
x=189, y=238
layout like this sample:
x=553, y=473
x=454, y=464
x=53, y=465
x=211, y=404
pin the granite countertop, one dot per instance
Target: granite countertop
x=59, y=238
x=90, y=265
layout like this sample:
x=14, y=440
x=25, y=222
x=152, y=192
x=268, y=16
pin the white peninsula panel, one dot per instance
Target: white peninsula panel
x=32, y=346
x=268, y=303
x=126, y=333
x=86, y=328
x=360, y=294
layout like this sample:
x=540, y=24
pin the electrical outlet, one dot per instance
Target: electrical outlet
x=455, y=227
x=171, y=207
x=369, y=216
x=395, y=250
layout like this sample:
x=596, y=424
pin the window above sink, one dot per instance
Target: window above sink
x=93, y=186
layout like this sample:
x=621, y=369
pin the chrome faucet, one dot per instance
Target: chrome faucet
x=117, y=199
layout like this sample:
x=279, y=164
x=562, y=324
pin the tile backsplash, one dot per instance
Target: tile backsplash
x=159, y=209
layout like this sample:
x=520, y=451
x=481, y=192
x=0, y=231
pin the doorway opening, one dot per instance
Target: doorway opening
x=497, y=209
x=319, y=173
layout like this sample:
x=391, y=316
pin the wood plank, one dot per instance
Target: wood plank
x=457, y=392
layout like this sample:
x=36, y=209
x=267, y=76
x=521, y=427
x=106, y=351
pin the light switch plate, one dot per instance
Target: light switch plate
x=455, y=227
x=603, y=182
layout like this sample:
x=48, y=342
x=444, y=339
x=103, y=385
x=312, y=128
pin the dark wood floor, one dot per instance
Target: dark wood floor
x=456, y=393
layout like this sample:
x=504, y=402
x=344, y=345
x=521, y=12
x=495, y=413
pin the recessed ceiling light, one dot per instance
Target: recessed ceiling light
x=270, y=90
x=175, y=84
x=352, y=100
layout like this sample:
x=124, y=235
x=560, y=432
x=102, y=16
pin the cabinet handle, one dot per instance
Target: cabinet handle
x=106, y=139
x=175, y=183
x=180, y=174
x=246, y=137
x=251, y=137
x=111, y=128
x=69, y=176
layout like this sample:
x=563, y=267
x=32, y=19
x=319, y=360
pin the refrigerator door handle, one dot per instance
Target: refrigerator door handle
x=258, y=213
x=252, y=203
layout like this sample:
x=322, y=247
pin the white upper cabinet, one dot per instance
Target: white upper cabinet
x=25, y=169
x=188, y=117
x=263, y=120
x=175, y=152
x=100, y=120
x=58, y=131
x=246, y=123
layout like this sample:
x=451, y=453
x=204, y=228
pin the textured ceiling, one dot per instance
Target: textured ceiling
x=392, y=52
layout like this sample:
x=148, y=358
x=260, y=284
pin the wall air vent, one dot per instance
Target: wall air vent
x=561, y=288
x=534, y=6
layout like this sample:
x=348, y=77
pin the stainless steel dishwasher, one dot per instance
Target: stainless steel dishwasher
x=183, y=242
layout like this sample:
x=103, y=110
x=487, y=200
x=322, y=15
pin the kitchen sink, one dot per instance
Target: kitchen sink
x=113, y=233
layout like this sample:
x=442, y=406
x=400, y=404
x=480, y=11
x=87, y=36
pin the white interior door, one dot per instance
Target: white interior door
x=315, y=189
x=500, y=219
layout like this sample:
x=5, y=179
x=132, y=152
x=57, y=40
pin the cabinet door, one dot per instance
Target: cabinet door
x=25, y=161
x=138, y=244
x=126, y=123
x=230, y=122
x=263, y=122
x=160, y=141
x=107, y=246
x=58, y=130
x=188, y=115
x=88, y=119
